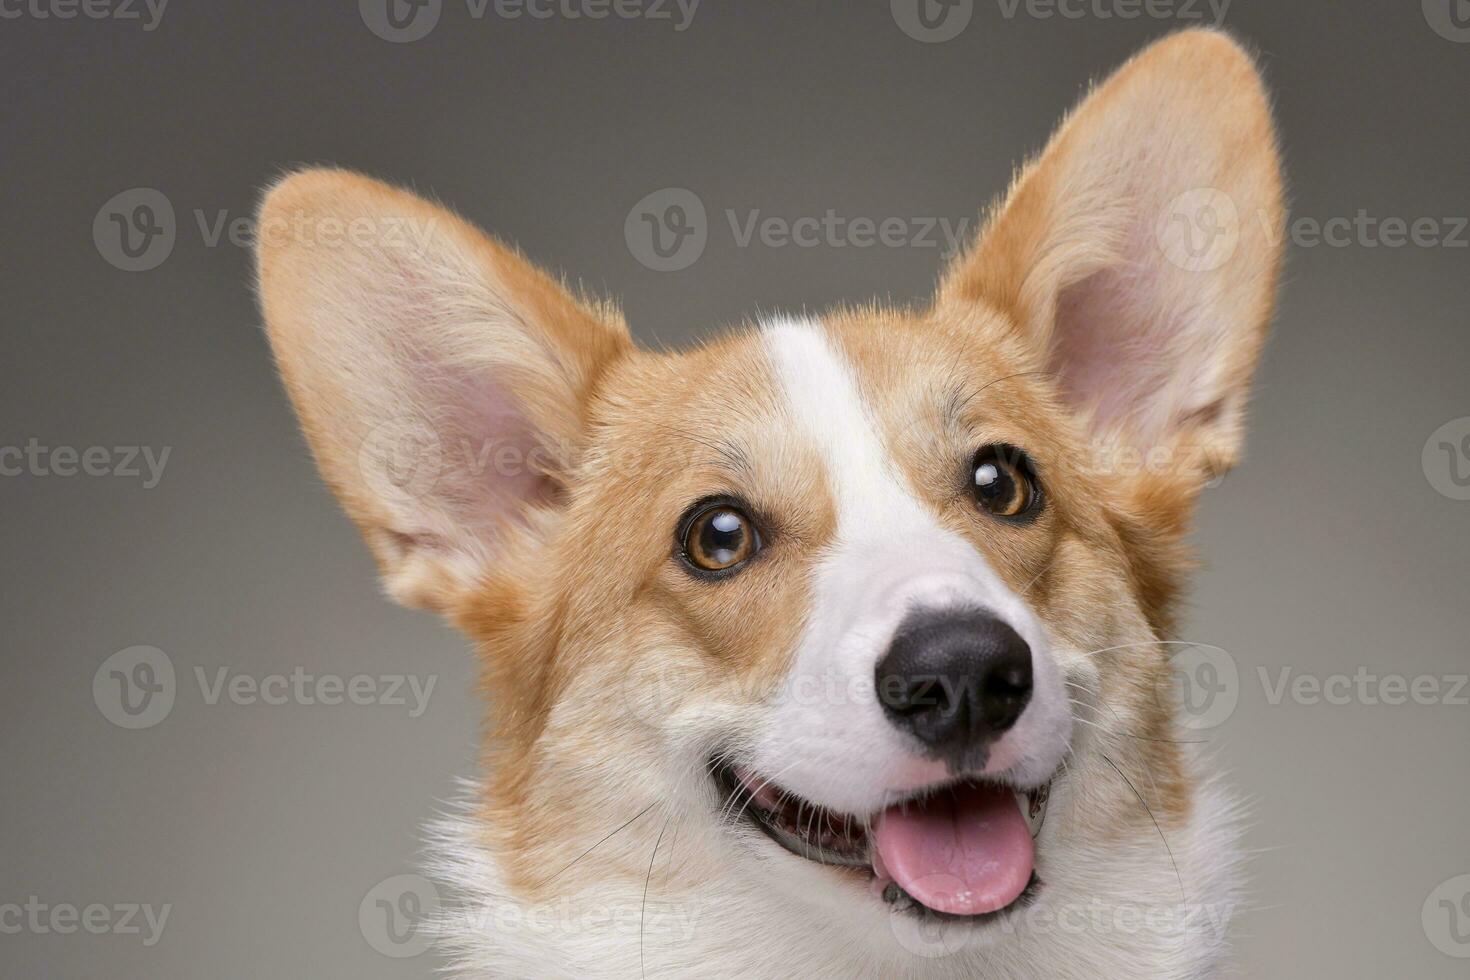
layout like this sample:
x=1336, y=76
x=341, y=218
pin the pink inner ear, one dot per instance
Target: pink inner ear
x=1123, y=355
x=1099, y=352
x=493, y=465
x=505, y=463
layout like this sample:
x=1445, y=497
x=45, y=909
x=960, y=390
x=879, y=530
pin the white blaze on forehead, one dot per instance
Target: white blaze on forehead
x=884, y=532
x=889, y=555
x=823, y=398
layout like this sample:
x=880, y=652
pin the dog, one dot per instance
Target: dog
x=833, y=646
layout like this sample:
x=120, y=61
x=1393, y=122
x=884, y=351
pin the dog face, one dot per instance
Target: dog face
x=870, y=608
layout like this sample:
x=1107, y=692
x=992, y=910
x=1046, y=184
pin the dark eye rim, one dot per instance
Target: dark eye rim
x=700, y=508
x=1021, y=461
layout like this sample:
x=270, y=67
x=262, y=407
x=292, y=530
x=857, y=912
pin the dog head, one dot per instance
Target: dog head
x=841, y=601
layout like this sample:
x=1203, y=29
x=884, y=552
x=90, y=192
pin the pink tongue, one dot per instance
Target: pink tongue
x=966, y=852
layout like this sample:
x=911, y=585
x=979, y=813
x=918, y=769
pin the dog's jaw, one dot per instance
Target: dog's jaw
x=721, y=918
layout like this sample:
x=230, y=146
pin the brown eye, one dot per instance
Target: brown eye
x=1004, y=483
x=719, y=538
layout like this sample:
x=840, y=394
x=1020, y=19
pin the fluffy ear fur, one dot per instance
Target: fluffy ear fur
x=440, y=378
x=1139, y=253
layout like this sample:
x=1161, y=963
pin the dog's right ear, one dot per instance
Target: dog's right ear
x=441, y=380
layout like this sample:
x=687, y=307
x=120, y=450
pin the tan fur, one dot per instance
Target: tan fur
x=574, y=595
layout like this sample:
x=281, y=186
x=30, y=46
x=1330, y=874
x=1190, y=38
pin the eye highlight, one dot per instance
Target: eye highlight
x=1004, y=482
x=718, y=537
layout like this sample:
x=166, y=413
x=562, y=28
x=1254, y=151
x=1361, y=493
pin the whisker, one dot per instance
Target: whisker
x=673, y=843
x=1152, y=785
x=1149, y=810
x=1150, y=643
x=643, y=910
x=624, y=826
x=1099, y=700
x=1044, y=569
x=725, y=453
x=983, y=388
x=652, y=858
x=1142, y=738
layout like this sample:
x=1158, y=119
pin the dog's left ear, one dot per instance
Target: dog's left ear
x=1138, y=256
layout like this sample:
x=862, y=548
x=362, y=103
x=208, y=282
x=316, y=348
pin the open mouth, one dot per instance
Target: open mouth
x=961, y=850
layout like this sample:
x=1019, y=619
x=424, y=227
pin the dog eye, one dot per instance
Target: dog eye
x=718, y=538
x=1003, y=482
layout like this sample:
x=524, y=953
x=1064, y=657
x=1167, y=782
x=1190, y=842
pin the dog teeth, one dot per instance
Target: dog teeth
x=1033, y=806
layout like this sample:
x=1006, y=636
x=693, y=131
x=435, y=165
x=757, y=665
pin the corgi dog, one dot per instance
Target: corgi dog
x=835, y=646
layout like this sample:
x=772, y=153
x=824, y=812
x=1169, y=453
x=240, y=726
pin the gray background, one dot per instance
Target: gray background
x=264, y=826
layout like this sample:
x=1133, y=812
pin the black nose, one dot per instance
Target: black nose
x=956, y=680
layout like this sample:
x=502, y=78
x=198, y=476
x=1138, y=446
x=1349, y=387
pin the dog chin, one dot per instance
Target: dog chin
x=963, y=849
